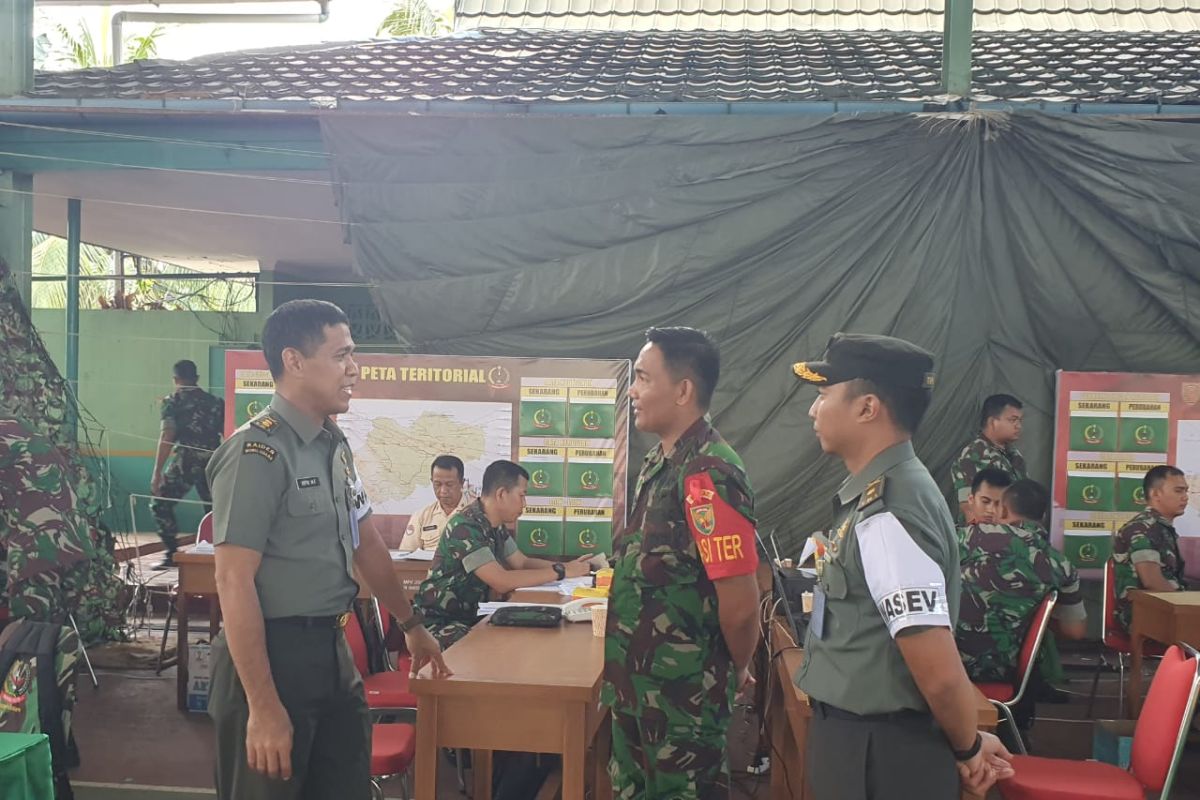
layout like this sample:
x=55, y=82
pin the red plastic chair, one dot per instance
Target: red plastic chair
x=1158, y=742
x=1117, y=640
x=205, y=532
x=385, y=691
x=1005, y=696
x=393, y=747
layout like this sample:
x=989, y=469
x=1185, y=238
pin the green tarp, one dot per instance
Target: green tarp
x=1008, y=245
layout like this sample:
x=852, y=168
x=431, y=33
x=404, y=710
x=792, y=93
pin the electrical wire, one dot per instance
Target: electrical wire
x=250, y=148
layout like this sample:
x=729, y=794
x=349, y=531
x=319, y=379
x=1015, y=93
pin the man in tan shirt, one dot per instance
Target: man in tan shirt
x=425, y=528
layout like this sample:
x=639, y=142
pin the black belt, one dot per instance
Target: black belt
x=332, y=621
x=908, y=715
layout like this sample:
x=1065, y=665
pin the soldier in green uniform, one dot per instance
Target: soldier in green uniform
x=1000, y=423
x=1145, y=551
x=292, y=523
x=1007, y=568
x=682, y=621
x=477, y=556
x=893, y=710
x=191, y=430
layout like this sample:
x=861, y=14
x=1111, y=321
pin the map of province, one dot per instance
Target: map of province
x=394, y=442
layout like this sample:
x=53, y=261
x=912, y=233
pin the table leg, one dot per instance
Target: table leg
x=181, y=650
x=426, y=766
x=601, y=754
x=481, y=766
x=574, y=751
x=1133, y=686
x=780, y=739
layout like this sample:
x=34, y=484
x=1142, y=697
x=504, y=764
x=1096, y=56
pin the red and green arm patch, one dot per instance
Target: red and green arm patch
x=724, y=537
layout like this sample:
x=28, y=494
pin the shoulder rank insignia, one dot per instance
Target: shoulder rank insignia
x=872, y=494
x=266, y=423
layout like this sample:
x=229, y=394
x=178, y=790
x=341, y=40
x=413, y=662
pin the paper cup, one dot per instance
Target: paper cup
x=806, y=600
x=599, y=619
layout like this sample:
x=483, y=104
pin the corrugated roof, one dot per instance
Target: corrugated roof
x=913, y=16
x=533, y=66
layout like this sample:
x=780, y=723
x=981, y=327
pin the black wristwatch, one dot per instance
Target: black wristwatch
x=559, y=570
x=412, y=622
x=967, y=755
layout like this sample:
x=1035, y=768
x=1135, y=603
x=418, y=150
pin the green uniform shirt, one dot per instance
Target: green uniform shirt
x=453, y=592
x=889, y=565
x=1147, y=538
x=196, y=417
x=1006, y=571
x=285, y=486
x=979, y=454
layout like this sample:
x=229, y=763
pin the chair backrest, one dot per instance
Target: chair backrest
x=1162, y=727
x=358, y=644
x=1027, y=661
x=205, y=532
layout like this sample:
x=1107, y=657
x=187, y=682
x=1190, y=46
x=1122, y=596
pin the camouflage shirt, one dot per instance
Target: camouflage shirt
x=1006, y=571
x=197, y=418
x=1147, y=538
x=453, y=592
x=664, y=656
x=979, y=454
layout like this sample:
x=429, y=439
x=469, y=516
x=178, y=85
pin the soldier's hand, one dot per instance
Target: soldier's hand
x=424, y=649
x=990, y=764
x=269, y=741
x=156, y=485
x=745, y=681
x=579, y=567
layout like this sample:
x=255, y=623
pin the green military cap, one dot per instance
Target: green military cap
x=882, y=359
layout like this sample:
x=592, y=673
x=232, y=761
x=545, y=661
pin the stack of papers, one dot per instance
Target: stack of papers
x=565, y=586
x=492, y=607
x=413, y=555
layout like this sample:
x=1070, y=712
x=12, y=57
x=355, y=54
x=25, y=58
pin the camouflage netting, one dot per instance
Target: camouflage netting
x=56, y=554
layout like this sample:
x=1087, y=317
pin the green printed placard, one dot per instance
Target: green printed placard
x=593, y=413
x=1130, y=494
x=588, y=530
x=547, y=470
x=1091, y=485
x=1087, y=544
x=1143, y=427
x=1093, y=425
x=543, y=411
x=589, y=472
x=540, y=531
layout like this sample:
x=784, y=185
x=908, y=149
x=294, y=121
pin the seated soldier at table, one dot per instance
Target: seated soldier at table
x=1007, y=568
x=426, y=526
x=1146, y=550
x=987, y=493
x=477, y=556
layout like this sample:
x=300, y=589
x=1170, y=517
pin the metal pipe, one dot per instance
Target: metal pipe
x=165, y=276
x=74, y=216
x=200, y=17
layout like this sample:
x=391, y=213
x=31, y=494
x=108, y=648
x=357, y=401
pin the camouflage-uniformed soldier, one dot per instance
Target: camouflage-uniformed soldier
x=292, y=527
x=682, y=611
x=892, y=705
x=1145, y=550
x=476, y=556
x=1000, y=427
x=191, y=430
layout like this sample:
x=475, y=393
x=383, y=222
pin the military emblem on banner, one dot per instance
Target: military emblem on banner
x=1191, y=393
x=704, y=518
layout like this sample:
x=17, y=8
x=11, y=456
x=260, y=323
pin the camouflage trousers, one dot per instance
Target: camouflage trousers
x=652, y=760
x=181, y=475
x=447, y=633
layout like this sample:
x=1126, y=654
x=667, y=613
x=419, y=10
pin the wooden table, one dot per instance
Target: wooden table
x=198, y=577
x=1166, y=617
x=533, y=690
x=789, y=713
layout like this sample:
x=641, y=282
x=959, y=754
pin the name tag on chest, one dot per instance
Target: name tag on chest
x=307, y=483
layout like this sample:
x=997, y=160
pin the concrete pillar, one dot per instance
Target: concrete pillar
x=16, y=199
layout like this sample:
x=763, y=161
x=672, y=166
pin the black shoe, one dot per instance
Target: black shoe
x=166, y=563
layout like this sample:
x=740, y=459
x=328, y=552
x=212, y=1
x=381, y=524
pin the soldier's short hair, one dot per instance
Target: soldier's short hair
x=906, y=405
x=185, y=370
x=1028, y=499
x=1157, y=476
x=449, y=462
x=299, y=324
x=690, y=353
x=502, y=474
x=992, y=477
x=994, y=406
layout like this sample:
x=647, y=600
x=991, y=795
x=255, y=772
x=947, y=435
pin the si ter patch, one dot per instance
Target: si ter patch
x=260, y=449
x=308, y=483
x=872, y=494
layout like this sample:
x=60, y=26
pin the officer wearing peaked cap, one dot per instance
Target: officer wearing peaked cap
x=893, y=711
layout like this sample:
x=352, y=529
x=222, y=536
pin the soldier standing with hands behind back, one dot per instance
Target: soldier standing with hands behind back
x=291, y=523
x=893, y=710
